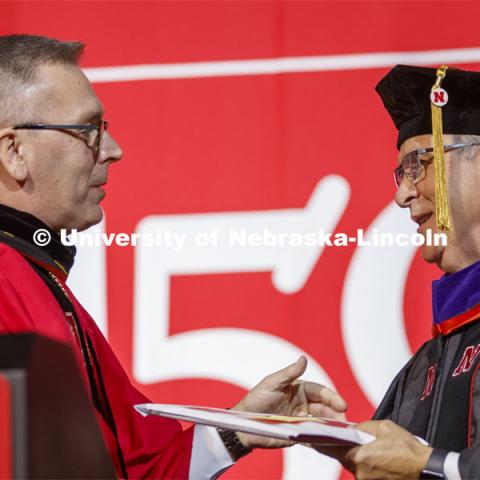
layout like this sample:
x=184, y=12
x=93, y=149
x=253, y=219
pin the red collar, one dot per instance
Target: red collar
x=454, y=323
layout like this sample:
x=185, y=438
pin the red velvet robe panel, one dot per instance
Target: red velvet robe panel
x=153, y=447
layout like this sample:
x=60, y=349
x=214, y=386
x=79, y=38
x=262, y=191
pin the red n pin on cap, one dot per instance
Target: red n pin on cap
x=439, y=97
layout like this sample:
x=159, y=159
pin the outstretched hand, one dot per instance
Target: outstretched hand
x=282, y=393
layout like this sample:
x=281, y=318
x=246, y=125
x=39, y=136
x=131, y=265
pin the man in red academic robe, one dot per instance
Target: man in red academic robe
x=55, y=152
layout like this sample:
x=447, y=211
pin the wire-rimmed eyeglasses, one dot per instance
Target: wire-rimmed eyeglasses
x=413, y=166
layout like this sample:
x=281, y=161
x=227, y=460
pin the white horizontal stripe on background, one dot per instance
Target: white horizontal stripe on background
x=271, y=66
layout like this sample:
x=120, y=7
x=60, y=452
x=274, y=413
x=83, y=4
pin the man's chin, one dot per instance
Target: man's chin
x=84, y=221
x=432, y=254
x=93, y=219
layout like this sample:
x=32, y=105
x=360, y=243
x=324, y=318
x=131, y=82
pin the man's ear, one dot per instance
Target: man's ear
x=12, y=155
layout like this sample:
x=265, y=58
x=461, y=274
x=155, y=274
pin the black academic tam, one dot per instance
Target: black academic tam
x=405, y=92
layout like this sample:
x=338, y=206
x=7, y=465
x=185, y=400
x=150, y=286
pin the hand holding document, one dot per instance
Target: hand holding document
x=316, y=431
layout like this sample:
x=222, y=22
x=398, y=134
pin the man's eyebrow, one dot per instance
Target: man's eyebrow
x=91, y=116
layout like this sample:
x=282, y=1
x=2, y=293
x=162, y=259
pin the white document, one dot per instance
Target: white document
x=310, y=430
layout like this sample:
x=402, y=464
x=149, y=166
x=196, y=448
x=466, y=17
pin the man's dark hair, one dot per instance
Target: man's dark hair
x=20, y=55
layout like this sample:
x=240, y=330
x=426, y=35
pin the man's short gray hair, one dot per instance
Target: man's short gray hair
x=20, y=55
x=466, y=153
x=20, y=58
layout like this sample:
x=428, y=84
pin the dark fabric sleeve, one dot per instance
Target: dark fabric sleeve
x=386, y=409
x=391, y=402
x=469, y=463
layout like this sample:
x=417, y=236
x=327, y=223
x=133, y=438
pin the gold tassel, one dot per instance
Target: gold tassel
x=441, y=192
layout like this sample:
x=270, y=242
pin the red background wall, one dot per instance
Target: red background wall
x=250, y=143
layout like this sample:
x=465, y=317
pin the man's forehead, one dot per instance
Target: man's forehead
x=420, y=141
x=68, y=92
x=412, y=143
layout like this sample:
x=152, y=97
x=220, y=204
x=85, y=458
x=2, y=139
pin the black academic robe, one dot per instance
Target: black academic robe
x=437, y=396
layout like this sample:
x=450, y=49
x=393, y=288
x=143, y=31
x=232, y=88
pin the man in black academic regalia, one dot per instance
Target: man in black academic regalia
x=436, y=396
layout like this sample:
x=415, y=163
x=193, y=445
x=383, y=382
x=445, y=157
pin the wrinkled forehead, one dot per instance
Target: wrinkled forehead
x=419, y=141
x=64, y=95
x=412, y=143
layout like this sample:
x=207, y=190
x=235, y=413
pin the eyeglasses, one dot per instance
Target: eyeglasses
x=413, y=166
x=90, y=134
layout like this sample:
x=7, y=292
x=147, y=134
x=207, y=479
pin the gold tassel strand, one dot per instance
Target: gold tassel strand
x=439, y=98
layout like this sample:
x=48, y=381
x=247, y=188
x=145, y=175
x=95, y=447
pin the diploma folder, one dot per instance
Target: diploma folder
x=311, y=430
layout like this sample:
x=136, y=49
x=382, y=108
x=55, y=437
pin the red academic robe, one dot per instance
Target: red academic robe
x=152, y=447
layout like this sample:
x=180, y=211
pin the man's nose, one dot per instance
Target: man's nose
x=406, y=192
x=110, y=150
